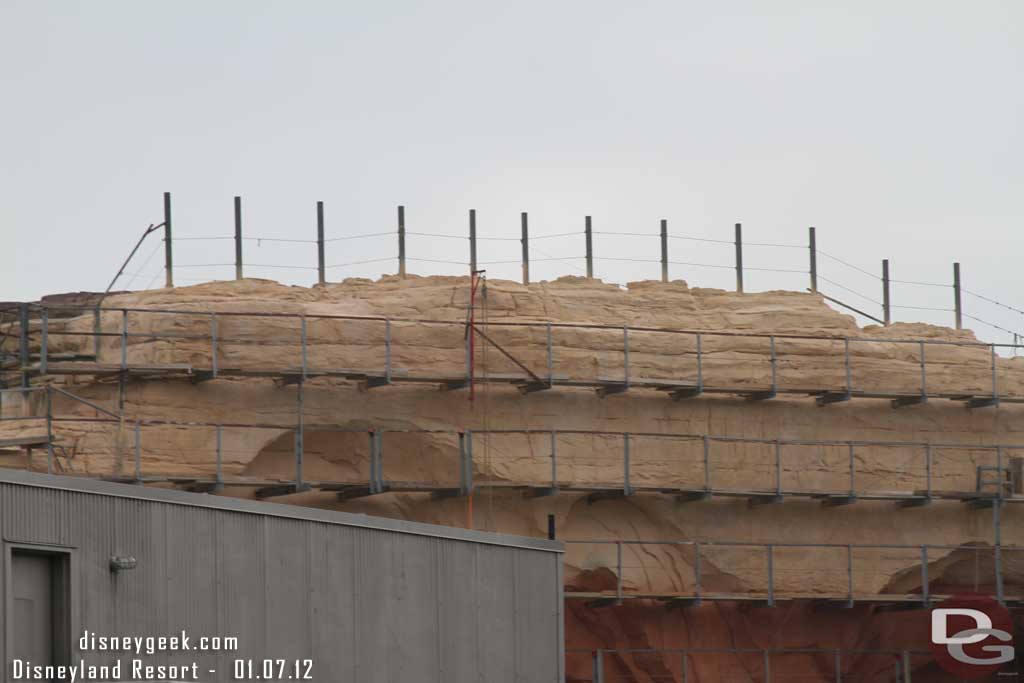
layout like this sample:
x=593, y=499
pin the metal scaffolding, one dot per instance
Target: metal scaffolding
x=690, y=379
x=767, y=592
x=997, y=479
x=873, y=290
x=681, y=665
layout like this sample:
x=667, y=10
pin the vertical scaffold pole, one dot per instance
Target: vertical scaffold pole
x=812, y=246
x=696, y=571
x=550, y=356
x=300, y=428
x=618, y=571
x=995, y=377
x=23, y=357
x=778, y=468
x=928, y=470
x=303, y=346
x=401, y=241
x=886, y=308
x=853, y=471
x=463, y=490
x=138, y=454
x=43, y=340
x=707, y=463
x=849, y=575
x=554, y=460
x=465, y=463
x=700, y=365
x=238, y=238
x=374, y=480
x=168, y=255
x=739, y=258
x=664, y=250
x=589, y=233
x=625, y=356
x=321, y=269
x=526, y=248
x=925, y=591
x=924, y=373
x=219, y=485
x=472, y=242
x=387, y=351
x=299, y=446
x=468, y=476
x=379, y=436
x=957, y=307
x=999, y=469
x=49, y=429
x=627, y=488
x=124, y=339
x=997, y=537
x=997, y=531
x=846, y=363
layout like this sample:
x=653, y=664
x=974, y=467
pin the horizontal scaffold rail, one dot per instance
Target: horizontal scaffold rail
x=693, y=372
x=733, y=558
x=606, y=663
x=688, y=466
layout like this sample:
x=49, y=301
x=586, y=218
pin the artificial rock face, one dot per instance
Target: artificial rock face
x=419, y=440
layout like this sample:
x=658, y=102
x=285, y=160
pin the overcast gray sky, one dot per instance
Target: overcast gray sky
x=892, y=127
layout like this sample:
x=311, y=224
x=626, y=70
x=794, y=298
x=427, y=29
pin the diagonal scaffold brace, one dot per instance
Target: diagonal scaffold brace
x=534, y=381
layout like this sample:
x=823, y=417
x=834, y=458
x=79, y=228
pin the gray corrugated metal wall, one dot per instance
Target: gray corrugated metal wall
x=366, y=604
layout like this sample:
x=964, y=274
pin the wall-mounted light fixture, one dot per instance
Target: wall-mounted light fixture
x=121, y=563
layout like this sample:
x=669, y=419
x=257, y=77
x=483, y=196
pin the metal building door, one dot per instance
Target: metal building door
x=33, y=582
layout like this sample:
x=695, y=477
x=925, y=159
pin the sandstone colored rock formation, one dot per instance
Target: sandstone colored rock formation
x=427, y=451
